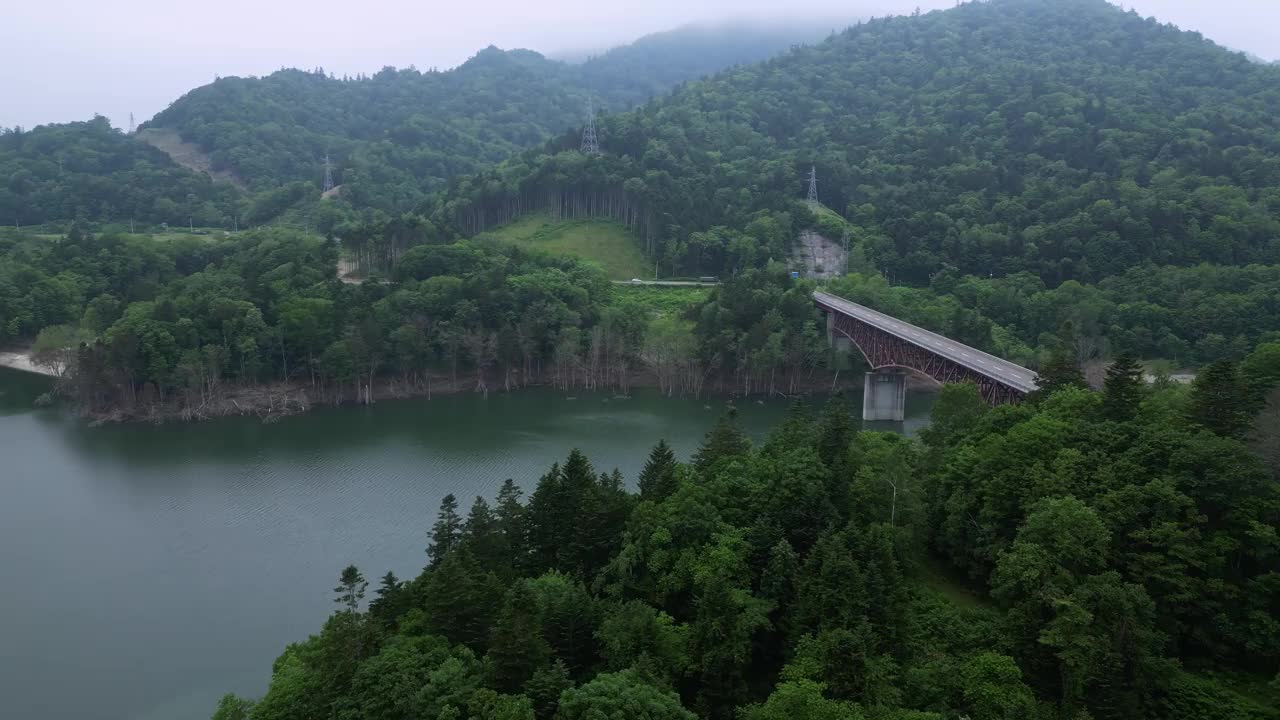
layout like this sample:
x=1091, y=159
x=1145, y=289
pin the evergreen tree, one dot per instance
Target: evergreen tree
x=510, y=514
x=547, y=519
x=516, y=646
x=658, y=478
x=391, y=601
x=1060, y=369
x=835, y=431
x=1220, y=400
x=460, y=600
x=1123, y=389
x=725, y=440
x=797, y=430
x=350, y=589
x=545, y=688
x=482, y=536
x=447, y=530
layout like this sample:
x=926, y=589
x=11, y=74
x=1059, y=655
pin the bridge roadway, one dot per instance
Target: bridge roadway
x=1002, y=371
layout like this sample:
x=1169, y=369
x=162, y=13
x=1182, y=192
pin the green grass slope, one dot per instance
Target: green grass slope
x=606, y=243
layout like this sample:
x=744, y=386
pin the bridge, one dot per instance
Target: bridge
x=892, y=347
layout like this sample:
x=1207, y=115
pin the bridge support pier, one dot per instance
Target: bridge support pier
x=884, y=396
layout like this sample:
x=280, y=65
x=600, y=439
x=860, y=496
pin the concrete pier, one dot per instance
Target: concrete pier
x=884, y=396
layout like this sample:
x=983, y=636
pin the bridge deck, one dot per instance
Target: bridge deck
x=1015, y=376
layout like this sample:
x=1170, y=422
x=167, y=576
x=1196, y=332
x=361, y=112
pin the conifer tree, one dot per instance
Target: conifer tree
x=516, y=646
x=545, y=688
x=658, y=478
x=510, y=514
x=1123, y=389
x=725, y=440
x=835, y=431
x=350, y=589
x=1060, y=369
x=391, y=601
x=1220, y=400
x=447, y=530
x=480, y=534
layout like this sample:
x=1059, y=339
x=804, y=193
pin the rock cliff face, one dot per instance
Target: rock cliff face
x=818, y=257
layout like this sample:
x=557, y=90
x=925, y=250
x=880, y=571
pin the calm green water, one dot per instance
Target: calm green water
x=148, y=570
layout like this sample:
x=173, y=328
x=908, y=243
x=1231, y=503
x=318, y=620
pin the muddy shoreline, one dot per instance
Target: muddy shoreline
x=271, y=402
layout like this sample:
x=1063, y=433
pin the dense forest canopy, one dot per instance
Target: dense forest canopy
x=1119, y=548
x=1068, y=138
x=88, y=170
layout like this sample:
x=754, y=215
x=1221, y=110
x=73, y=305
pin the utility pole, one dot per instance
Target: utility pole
x=328, y=174
x=813, y=188
x=590, y=144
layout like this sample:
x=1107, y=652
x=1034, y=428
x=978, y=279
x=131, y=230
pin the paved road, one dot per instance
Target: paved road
x=1015, y=376
x=667, y=283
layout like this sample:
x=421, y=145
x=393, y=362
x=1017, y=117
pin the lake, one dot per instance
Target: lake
x=150, y=569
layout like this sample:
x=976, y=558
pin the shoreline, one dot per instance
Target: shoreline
x=272, y=402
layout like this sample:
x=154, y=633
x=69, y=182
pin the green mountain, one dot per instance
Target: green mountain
x=1065, y=138
x=398, y=134
x=393, y=136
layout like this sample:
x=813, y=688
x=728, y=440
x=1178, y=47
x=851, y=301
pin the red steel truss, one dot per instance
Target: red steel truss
x=885, y=350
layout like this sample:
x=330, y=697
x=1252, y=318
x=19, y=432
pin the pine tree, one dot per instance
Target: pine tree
x=481, y=535
x=544, y=520
x=1060, y=369
x=460, y=600
x=512, y=523
x=658, y=479
x=1220, y=400
x=392, y=601
x=1123, y=389
x=835, y=432
x=447, y=530
x=725, y=440
x=350, y=589
x=545, y=688
x=797, y=430
x=516, y=646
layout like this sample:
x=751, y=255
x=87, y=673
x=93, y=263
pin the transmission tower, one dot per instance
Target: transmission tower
x=590, y=144
x=813, y=187
x=131, y=124
x=328, y=174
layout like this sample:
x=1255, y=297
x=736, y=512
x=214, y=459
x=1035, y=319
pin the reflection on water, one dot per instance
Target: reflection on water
x=161, y=566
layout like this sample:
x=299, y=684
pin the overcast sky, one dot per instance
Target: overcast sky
x=63, y=60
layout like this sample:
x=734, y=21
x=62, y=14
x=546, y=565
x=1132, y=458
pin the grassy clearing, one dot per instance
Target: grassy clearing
x=662, y=300
x=607, y=244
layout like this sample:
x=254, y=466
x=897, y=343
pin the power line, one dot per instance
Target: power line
x=590, y=144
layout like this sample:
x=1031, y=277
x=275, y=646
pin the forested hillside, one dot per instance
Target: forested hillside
x=1066, y=138
x=400, y=133
x=89, y=170
x=1119, y=548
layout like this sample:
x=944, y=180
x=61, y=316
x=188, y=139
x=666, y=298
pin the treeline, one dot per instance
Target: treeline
x=1119, y=549
x=136, y=326
x=90, y=171
x=1186, y=317
x=1070, y=140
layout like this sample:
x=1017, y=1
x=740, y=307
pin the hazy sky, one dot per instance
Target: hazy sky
x=63, y=60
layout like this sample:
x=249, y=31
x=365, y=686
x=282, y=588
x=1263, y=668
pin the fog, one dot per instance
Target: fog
x=63, y=60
